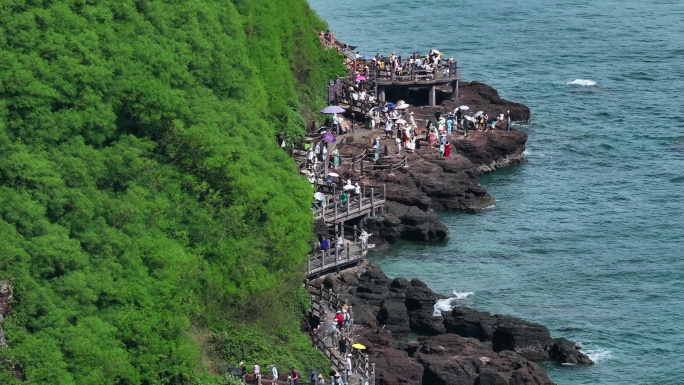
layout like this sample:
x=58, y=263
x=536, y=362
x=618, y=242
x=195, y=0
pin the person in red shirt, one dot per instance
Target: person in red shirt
x=294, y=374
x=339, y=318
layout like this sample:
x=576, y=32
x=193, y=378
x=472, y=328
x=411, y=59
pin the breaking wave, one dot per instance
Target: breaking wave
x=448, y=304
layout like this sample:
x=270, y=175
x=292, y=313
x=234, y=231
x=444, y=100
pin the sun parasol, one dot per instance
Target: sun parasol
x=333, y=174
x=328, y=137
x=349, y=187
x=390, y=105
x=478, y=113
x=463, y=108
x=358, y=346
x=319, y=196
x=402, y=107
x=333, y=110
x=469, y=118
x=360, y=77
x=305, y=172
x=401, y=121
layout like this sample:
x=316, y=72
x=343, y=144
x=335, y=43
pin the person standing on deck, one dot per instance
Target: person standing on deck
x=357, y=189
x=348, y=364
x=257, y=371
x=325, y=244
x=447, y=150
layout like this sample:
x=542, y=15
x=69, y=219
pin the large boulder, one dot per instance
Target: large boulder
x=567, y=352
x=505, y=333
x=450, y=359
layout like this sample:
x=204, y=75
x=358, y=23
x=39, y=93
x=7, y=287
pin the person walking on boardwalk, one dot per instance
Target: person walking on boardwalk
x=274, y=373
x=348, y=364
x=343, y=344
x=447, y=150
x=339, y=319
x=335, y=337
x=431, y=138
x=257, y=371
x=325, y=244
x=336, y=158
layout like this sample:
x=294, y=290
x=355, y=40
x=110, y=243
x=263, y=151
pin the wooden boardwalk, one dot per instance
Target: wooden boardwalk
x=324, y=304
x=371, y=201
x=334, y=260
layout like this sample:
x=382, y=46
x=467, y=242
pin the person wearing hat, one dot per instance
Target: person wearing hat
x=339, y=319
x=348, y=364
x=338, y=379
x=243, y=368
x=321, y=380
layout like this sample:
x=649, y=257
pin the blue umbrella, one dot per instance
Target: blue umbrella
x=332, y=110
x=390, y=105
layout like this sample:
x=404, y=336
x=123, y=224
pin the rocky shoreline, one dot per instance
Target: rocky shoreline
x=395, y=319
x=432, y=183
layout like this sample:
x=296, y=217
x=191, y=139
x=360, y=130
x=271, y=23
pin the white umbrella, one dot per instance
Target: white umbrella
x=402, y=107
x=401, y=121
x=348, y=187
x=333, y=110
x=463, y=108
x=469, y=118
x=305, y=172
x=333, y=174
x=478, y=113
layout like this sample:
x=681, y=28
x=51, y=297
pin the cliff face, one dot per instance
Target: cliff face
x=142, y=194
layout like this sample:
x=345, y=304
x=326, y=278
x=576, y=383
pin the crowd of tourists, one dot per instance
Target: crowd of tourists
x=337, y=332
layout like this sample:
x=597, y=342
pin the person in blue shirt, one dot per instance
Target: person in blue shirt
x=325, y=244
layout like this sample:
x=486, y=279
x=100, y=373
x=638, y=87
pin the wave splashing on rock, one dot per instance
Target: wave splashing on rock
x=447, y=304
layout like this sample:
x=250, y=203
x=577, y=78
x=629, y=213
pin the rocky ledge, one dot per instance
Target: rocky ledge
x=432, y=183
x=462, y=346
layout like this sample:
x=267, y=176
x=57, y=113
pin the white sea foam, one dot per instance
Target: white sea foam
x=447, y=304
x=582, y=82
x=598, y=355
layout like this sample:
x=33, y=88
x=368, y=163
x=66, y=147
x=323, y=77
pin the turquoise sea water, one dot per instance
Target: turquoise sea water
x=587, y=236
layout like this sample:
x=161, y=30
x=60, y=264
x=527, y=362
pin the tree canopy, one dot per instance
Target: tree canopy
x=144, y=202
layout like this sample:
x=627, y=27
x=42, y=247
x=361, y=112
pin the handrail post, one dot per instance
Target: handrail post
x=371, y=201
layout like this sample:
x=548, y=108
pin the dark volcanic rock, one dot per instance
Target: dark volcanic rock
x=504, y=332
x=451, y=359
x=567, y=352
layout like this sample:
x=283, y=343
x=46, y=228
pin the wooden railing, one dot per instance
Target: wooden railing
x=322, y=261
x=371, y=198
x=361, y=364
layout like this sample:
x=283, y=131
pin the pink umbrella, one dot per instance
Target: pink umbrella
x=360, y=77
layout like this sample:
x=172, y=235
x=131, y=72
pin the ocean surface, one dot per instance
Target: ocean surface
x=587, y=236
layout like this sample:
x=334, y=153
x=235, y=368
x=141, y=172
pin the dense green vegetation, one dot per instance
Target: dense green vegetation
x=149, y=221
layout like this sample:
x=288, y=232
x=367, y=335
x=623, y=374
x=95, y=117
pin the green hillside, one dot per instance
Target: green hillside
x=153, y=229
